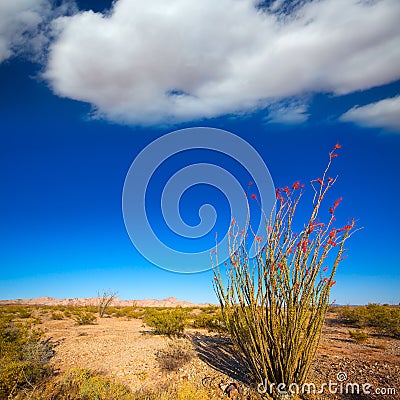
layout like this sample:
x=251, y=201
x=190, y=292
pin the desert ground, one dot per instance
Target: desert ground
x=126, y=349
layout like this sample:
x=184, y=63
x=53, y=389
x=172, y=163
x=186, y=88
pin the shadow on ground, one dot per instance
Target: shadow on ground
x=219, y=354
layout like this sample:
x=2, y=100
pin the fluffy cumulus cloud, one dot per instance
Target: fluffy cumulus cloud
x=157, y=61
x=19, y=25
x=382, y=114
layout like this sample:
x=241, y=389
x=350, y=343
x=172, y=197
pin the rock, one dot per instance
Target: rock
x=233, y=390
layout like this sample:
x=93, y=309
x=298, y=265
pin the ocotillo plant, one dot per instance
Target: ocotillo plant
x=274, y=305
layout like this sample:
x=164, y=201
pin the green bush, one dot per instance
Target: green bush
x=127, y=312
x=85, y=318
x=57, y=315
x=384, y=319
x=170, y=322
x=214, y=321
x=359, y=336
x=78, y=384
x=16, y=312
x=83, y=384
x=24, y=356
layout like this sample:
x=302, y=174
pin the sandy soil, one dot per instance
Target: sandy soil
x=126, y=350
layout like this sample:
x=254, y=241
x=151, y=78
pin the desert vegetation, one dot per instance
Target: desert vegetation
x=274, y=305
x=187, y=361
x=274, y=325
x=382, y=319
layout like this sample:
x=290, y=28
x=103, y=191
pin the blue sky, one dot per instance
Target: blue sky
x=83, y=93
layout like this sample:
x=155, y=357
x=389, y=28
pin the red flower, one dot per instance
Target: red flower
x=278, y=194
x=333, y=155
x=307, y=272
x=337, y=202
x=233, y=221
x=330, y=180
x=253, y=196
x=331, y=210
x=333, y=283
x=325, y=279
x=216, y=279
x=250, y=183
x=296, y=285
x=296, y=185
x=332, y=243
x=286, y=190
x=332, y=233
x=338, y=146
x=325, y=269
x=320, y=181
x=345, y=228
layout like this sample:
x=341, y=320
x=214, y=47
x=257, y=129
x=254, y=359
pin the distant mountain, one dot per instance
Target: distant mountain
x=91, y=301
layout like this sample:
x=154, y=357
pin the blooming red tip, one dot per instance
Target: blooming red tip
x=253, y=196
x=296, y=185
x=337, y=202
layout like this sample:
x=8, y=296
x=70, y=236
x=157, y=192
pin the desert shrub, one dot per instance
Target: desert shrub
x=274, y=303
x=170, y=322
x=210, y=309
x=214, y=321
x=25, y=313
x=183, y=391
x=104, y=301
x=359, y=336
x=137, y=313
x=16, y=312
x=384, y=319
x=127, y=312
x=85, y=318
x=177, y=353
x=24, y=356
x=78, y=384
x=83, y=384
x=56, y=315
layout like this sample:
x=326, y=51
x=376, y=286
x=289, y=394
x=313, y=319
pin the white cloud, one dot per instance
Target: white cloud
x=293, y=112
x=157, y=61
x=19, y=23
x=382, y=114
x=24, y=25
